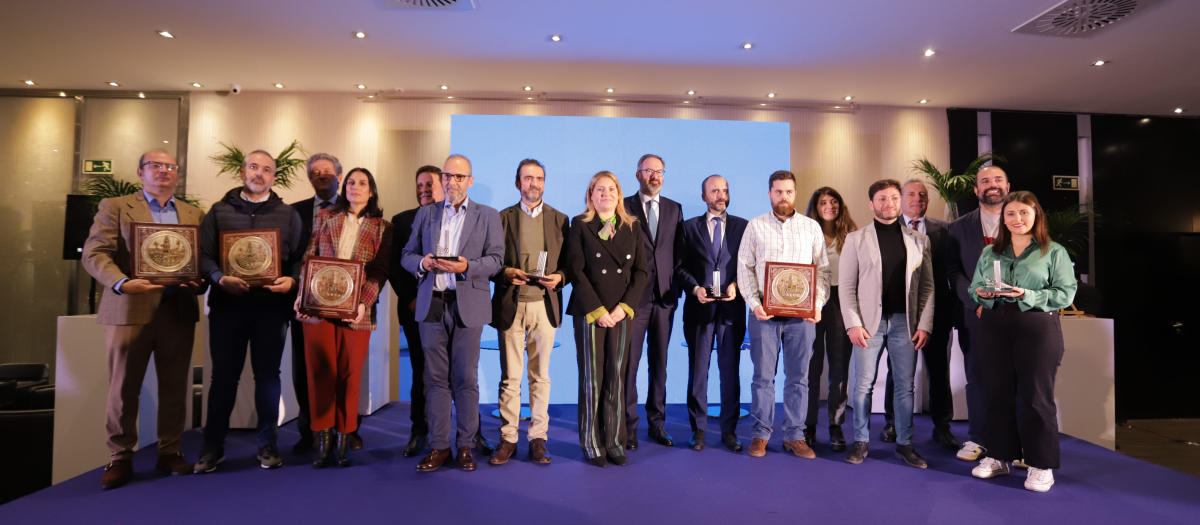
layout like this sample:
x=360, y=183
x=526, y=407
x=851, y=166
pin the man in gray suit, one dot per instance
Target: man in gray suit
x=915, y=202
x=453, y=304
x=886, y=290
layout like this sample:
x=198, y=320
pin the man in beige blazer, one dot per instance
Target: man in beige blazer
x=143, y=320
x=886, y=286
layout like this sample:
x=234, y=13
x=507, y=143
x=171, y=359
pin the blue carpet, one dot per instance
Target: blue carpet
x=660, y=485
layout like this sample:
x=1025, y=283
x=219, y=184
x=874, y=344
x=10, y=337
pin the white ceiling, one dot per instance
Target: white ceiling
x=804, y=50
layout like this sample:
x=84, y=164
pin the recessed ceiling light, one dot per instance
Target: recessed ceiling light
x=770, y=95
x=1099, y=62
x=445, y=87
x=556, y=38
x=370, y=96
x=924, y=101
x=687, y=102
x=528, y=88
x=930, y=52
x=1179, y=110
x=165, y=34
x=449, y=97
x=610, y=100
x=747, y=45
x=196, y=84
x=610, y=90
x=762, y=104
x=29, y=83
x=1145, y=121
x=113, y=84
x=530, y=98
x=62, y=94
x=360, y=86
x=166, y=142
x=280, y=86
x=848, y=97
x=360, y=34
x=141, y=95
x=691, y=92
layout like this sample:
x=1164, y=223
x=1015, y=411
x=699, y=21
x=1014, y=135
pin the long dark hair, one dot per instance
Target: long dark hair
x=371, y=210
x=842, y=225
x=1040, y=232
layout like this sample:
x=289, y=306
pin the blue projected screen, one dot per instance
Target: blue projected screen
x=575, y=148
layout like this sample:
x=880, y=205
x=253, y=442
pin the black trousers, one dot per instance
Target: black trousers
x=937, y=369
x=1019, y=353
x=652, y=325
x=729, y=355
x=603, y=355
x=300, y=379
x=831, y=340
x=416, y=358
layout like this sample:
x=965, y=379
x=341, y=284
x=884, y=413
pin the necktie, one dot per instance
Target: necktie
x=325, y=204
x=915, y=225
x=652, y=216
x=716, y=240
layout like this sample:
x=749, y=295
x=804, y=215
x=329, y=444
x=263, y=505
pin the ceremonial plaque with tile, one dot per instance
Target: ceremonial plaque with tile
x=165, y=253
x=251, y=255
x=331, y=288
x=791, y=290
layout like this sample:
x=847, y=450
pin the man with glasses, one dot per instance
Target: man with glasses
x=241, y=315
x=143, y=320
x=660, y=218
x=456, y=246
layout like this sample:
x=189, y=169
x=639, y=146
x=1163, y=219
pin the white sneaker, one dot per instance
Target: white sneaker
x=970, y=451
x=1020, y=463
x=1039, y=480
x=990, y=468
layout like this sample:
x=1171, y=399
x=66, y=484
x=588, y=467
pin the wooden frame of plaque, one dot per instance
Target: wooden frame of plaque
x=331, y=287
x=790, y=290
x=255, y=256
x=165, y=253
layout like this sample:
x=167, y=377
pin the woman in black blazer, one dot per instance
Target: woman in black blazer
x=606, y=266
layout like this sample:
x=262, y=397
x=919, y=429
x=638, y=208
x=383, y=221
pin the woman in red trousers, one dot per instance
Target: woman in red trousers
x=353, y=229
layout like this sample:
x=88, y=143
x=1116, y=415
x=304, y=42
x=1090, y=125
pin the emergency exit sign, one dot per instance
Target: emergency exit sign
x=97, y=166
x=1066, y=183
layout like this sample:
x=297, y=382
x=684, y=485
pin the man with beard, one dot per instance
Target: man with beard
x=968, y=236
x=325, y=175
x=886, y=291
x=526, y=309
x=781, y=236
x=706, y=244
x=660, y=218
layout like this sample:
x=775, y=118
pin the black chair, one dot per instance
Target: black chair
x=8, y=393
x=41, y=398
x=27, y=376
x=28, y=437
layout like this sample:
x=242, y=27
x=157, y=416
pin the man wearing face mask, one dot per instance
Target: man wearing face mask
x=968, y=236
x=241, y=315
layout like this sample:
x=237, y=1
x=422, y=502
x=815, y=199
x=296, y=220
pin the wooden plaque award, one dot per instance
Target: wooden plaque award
x=331, y=288
x=165, y=253
x=251, y=255
x=791, y=290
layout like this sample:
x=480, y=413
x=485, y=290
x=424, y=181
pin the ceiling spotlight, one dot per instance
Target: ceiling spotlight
x=924, y=101
x=166, y=142
x=62, y=94
x=449, y=97
x=445, y=87
x=1099, y=63
x=29, y=82
x=556, y=38
x=610, y=90
x=528, y=88
x=687, y=102
x=141, y=95
x=848, y=98
x=770, y=95
x=691, y=92
x=762, y=104
x=196, y=84
x=930, y=52
x=113, y=84
x=280, y=86
x=529, y=98
x=747, y=45
x=1179, y=110
x=370, y=96
x=360, y=34
x=165, y=34
x=360, y=86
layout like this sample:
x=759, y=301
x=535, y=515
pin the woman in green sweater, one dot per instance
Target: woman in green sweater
x=1021, y=281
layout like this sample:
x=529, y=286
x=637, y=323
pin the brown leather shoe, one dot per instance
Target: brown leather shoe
x=800, y=449
x=503, y=452
x=538, y=453
x=434, y=460
x=173, y=464
x=758, y=448
x=465, y=460
x=116, y=473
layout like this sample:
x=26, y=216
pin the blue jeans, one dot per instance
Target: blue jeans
x=902, y=360
x=795, y=338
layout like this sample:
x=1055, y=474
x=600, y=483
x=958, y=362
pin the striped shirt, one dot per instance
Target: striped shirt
x=796, y=240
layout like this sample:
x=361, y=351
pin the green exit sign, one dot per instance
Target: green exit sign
x=1066, y=183
x=98, y=166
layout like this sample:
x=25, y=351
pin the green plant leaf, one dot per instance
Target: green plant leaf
x=103, y=187
x=230, y=163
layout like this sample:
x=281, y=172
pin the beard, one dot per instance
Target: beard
x=784, y=208
x=719, y=206
x=532, y=194
x=652, y=187
x=995, y=198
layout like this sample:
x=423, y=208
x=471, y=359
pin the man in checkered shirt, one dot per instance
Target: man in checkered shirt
x=780, y=236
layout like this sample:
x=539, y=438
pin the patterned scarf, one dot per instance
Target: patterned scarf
x=610, y=228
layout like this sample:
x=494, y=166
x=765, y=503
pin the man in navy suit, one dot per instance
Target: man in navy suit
x=968, y=236
x=660, y=219
x=453, y=304
x=707, y=244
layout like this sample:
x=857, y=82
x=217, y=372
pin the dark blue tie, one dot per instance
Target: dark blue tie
x=718, y=242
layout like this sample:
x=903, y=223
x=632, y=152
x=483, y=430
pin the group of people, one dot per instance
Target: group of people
x=900, y=283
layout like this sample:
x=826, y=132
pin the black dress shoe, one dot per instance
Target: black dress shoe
x=858, y=452
x=305, y=445
x=810, y=437
x=485, y=447
x=731, y=441
x=910, y=456
x=945, y=437
x=631, y=443
x=660, y=436
x=617, y=459
x=598, y=461
x=356, y=442
x=325, y=445
x=415, y=446
x=837, y=442
x=697, y=440
x=888, y=434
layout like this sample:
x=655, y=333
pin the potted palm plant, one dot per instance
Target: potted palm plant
x=953, y=187
x=286, y=165
x=103, y=187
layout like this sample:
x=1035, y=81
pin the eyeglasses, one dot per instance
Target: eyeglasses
x=456, y=177
x=651, y=173
x=160, y=166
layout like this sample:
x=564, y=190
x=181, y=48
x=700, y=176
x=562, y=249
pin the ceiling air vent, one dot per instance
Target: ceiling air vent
x=460, y=5
x=1082, y=18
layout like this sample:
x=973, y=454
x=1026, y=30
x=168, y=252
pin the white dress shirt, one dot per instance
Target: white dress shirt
x=349, y=237
x=452, y=222
x=537, y=210
x=799, y=239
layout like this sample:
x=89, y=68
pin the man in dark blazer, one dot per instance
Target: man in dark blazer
x=453, y=304
x=915, y=203
x=660, y=219
x=429, y=191
x=705, y=244
x=325, y=175
x=968, y=237
x=526, y=310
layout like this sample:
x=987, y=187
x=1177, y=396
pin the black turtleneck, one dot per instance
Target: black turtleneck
x=892, y=255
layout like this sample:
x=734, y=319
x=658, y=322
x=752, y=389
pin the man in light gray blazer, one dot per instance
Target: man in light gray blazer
x=886, y=290
x=453, y=304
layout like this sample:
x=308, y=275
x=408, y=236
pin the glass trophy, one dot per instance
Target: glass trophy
x=538, y=273
x=994, y=284
x=715, y=291
x=443, y=248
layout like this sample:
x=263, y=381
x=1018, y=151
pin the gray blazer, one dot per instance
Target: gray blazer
x=481, y=244
x=860, y=280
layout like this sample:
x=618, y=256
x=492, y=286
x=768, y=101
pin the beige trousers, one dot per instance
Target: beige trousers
x=531, y=331
x=168, y=340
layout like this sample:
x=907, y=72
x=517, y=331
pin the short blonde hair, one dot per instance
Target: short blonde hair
x=623, y=217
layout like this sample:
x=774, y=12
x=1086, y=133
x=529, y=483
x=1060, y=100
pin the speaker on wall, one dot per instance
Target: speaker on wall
x=75, y=230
